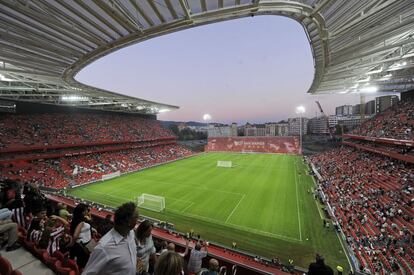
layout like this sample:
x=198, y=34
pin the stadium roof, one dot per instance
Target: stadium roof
x=358, y=46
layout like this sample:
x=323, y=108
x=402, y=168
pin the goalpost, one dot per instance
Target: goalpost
x=111, y=175
x=224, y=163
x=151, y=202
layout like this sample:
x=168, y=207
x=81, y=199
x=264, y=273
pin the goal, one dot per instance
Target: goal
x=111, y=175
x=224, y=163
x=151, y=202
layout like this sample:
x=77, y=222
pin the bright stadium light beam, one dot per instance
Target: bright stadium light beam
x=206, y=117
x=370, y=89
x=300, y=110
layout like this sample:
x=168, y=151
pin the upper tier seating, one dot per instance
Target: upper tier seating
x=27, y=130
x=396, y=122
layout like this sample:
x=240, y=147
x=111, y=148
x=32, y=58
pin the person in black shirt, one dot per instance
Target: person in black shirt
x=319, y=267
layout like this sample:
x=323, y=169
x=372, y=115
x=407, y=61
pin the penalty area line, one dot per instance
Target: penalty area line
x=185, y=209
x=234, y=209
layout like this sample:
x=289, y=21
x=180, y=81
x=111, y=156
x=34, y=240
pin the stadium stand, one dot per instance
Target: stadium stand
x=58, y=150
x=372, y=198
x=75, y=170
x=396, y=122
x=58, y=130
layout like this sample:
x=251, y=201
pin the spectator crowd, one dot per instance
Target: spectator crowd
x=372, y=198
x=27, y=130
x=86, y=155
x=397, y=122
x=73, y=242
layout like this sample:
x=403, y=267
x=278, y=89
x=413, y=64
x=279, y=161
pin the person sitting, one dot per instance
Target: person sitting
x=35, y=232
x=63, y=212
x=213, y=268
x=169, y=263
x=10, y=228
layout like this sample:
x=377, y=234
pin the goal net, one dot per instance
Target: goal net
x=151, y=202
x=111, y=175
x=224, y=163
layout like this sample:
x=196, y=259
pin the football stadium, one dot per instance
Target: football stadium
x=93, y=181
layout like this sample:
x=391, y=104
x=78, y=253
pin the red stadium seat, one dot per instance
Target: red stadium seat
x=5, y=266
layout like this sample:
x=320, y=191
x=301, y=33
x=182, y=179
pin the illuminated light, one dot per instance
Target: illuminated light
x=206, y=117
x=74, y=98
x=163, y=110
x=300, y=109
x=344, y=92
x=4, y=78
x=404, y=63
x=370, y=89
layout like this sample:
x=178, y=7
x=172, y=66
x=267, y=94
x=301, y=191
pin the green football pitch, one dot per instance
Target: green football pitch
x=264, y=203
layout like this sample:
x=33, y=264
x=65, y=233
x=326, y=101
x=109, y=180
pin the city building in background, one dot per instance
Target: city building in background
x=370, y=108
x=222, y=130
x=294, y=126
x=344, y=110
x=384, y=102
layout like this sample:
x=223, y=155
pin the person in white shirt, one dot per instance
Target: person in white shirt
x=116, y=252
x=80, y=229
x=145, y=245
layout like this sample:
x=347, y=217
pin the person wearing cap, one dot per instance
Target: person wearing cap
x=319, y=267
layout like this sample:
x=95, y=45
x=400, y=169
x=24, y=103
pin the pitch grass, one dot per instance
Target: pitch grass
x=263, y=203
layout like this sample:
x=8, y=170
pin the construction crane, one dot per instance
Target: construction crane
x=326, y=119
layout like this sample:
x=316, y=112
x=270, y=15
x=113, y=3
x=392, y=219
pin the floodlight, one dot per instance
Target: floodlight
x=300, y=109
x=74, y=98
x=206, y=117
x=370, y=89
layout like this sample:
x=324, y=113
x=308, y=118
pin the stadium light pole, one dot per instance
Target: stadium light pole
x=300, y=110
x=207, y=118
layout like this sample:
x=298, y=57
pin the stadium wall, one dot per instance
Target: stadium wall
x=281, y=145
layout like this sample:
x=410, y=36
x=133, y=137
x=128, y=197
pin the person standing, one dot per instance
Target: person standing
x=319, y=267
x=145, y=245
x=196, y=257
x=116, y=252
x=81, y=231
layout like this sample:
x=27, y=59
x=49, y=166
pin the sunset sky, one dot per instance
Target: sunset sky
x=255, y=69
